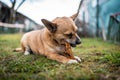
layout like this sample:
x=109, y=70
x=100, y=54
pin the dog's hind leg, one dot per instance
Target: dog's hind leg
x=27, y=50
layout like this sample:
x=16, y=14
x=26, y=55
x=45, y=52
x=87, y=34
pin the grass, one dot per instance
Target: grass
x=100, y=61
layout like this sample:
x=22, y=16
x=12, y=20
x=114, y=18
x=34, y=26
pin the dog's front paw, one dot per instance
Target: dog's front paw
x=72, y=61
x=77, y=58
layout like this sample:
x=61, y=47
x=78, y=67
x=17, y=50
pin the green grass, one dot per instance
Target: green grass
x=100, y=60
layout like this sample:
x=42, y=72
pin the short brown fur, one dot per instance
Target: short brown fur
x=50, y=40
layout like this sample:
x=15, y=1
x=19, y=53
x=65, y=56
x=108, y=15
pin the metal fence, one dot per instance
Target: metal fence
x=11, y=28
x=114, y=28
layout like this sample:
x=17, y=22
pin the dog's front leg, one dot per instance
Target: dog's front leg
x=60, y=58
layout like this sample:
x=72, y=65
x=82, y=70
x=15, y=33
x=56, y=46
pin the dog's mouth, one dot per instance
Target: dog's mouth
x=62, y=42
x=73, y=45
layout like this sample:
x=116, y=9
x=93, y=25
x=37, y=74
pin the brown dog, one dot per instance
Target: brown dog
x=50, y=40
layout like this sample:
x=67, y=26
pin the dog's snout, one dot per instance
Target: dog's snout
x=78, y=41
x=74, y=42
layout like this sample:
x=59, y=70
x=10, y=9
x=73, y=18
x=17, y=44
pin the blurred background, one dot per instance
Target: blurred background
x=97, y=18
x=99, y=26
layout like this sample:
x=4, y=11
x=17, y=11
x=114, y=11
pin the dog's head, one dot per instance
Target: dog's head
x=63, y=29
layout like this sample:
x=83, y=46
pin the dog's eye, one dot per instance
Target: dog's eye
x=69, y=35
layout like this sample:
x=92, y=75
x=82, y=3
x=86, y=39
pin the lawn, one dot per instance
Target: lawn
x=100, y=61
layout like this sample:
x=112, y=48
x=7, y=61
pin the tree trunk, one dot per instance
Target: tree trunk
x=97, y=19
x=12, y=12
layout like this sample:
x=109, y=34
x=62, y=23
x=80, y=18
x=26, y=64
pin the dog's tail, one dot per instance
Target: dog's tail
x=17, y=50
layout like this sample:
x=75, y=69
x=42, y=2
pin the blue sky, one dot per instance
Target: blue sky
x=48, y=9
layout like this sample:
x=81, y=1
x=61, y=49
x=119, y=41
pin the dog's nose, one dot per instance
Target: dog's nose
x=78, y=41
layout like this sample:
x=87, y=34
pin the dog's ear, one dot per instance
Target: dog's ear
x=52, y=27
x=74, y=16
